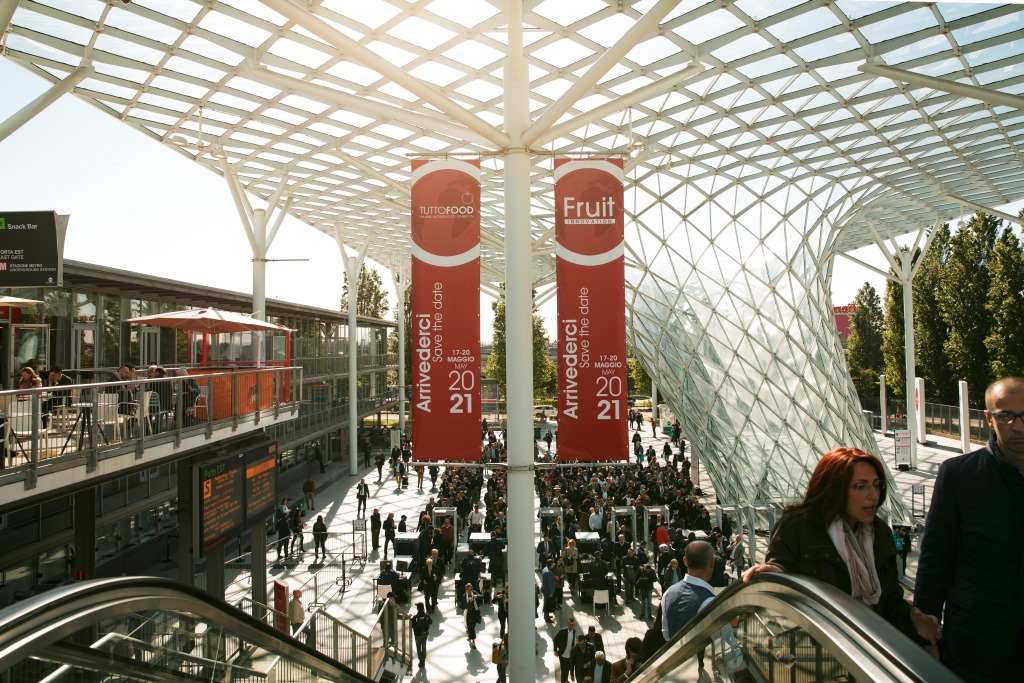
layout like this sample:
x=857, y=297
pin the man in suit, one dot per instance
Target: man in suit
x=564, y=643
x=595, y=639
x=362, y=495
x=547, y=587
x=544, y=550
x=494, y=551
x=971, y=571
x=433, y=575
x=582, y=659
x=602, y=669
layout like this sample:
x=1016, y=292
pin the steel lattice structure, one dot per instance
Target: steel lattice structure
x=764, y=138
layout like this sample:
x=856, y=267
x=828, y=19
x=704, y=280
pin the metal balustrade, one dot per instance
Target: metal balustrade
x=47, y=428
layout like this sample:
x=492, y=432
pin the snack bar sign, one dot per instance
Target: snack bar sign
x=32, y=248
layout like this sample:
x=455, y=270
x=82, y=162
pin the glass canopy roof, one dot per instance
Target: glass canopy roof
x=763, y=137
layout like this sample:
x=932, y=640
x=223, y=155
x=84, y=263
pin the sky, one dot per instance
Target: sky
x=139, y=206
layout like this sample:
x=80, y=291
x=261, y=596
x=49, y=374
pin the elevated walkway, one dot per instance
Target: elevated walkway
x=93, y=434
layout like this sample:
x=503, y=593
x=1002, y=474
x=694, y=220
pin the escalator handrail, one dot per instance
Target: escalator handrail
x=30, y=626
x=861, y=640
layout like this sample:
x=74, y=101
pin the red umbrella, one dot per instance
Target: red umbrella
x=210, y=320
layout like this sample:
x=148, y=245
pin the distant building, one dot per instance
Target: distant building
x=843, y=314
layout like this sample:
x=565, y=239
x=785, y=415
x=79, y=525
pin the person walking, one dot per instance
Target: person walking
x=502, y=658
x=970, y=570
x=645, y=589
x=319, y=538
x=472, y=614
x=297, y=525
x=564, y=643
x=284, y=535
x=547, y=587
x=389, y=533
x=296, y=612
x=421, y=622
x=501, y=600
x=379, y=463
x=362, y=495
x=375, y=526
x=433, y=575
x=309, y=491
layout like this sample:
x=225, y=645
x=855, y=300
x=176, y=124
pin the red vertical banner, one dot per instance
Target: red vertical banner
x=590, y=266
x=446, y=310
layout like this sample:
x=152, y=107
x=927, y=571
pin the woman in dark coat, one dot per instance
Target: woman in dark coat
x=836, y=536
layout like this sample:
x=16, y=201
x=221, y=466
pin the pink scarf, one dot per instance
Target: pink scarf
x=859, y=558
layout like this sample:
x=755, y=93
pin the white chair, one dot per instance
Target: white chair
x=382, y=596
x=105, y=414
x=603, y=597
x=150, y=414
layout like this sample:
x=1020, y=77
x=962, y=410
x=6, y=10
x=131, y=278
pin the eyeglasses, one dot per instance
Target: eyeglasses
x=863, y=486
x=1006, y=418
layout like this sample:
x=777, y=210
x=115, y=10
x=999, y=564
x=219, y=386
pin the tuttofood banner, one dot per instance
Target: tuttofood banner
x=446, y=310
x=590, y=266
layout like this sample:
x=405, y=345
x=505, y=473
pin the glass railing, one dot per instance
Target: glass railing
x=46, y=427
x=782, y=627
x=152, y=629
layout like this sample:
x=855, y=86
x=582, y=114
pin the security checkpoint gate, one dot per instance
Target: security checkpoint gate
x=625, y=511
x=437, y=517
x=655, y=511
x=554, y=513
x=734, y=513
x=770, y=513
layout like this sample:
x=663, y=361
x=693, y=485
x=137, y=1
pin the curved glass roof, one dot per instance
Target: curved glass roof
x=763, y=137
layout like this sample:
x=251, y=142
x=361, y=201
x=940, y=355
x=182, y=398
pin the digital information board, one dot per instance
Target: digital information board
x=260, y=482
x=234, y=493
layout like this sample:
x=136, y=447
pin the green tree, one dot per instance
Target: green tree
x=372, y=299
x=639, y=380
x=963, y=293
x=864, y=345
x=393, y=335
x=545, y=376
x=893, y=340
x=1005, y=307
x=930, y=328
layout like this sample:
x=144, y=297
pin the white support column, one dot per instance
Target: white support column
x=883, y=404
x=401, y=280
x=654, y=401
x=353, y=264
x=965, y=419
x=906, y=261
x=259, y=264
x=519, y=357
x=254, y=222
x=7, y=8
x=30, y=110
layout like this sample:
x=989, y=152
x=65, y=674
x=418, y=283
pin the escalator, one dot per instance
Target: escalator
x=151, y=629
x=790, y=629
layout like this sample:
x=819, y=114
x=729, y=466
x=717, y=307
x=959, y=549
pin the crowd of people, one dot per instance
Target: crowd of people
x=834, y=534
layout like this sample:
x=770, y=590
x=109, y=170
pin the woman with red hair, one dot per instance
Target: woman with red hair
x=836, y=536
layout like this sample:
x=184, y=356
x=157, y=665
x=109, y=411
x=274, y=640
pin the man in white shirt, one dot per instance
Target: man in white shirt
x=476, y=520
x=564, y=642
x=595, y=520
